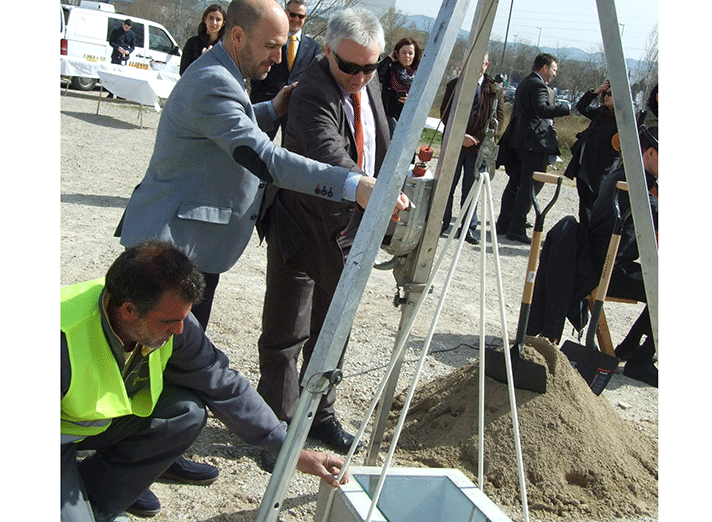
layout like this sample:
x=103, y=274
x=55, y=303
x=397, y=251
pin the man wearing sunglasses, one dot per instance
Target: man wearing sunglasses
x=308, y=239
x=296, y=56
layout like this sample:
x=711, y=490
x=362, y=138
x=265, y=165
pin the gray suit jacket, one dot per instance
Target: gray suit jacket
x=210, y=164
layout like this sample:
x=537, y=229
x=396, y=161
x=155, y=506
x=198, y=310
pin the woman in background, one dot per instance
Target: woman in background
x=210, y=30
x=396, y=73
x=595, y=152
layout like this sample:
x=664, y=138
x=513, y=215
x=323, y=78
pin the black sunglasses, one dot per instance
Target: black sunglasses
x=352, y=68
x=296, y=15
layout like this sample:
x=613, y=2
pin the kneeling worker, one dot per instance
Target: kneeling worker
x=137, y=375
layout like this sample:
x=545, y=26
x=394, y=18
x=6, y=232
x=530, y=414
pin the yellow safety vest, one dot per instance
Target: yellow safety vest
x=96, y=393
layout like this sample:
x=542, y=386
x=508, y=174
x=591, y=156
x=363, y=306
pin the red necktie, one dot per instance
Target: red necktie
x=358, y=127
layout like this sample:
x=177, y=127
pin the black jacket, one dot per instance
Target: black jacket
x=280, y=75
x=123, y=39
x=532, y=117
x=602, y=221
x=564, y=278
x=194, y=49
x=599, y=154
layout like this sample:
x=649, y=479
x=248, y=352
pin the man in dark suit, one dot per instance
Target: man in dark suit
x=627, y=277
x=533, y=139
x=122, y=40
x=484, y=97
x=335, y=114
x=291, y=68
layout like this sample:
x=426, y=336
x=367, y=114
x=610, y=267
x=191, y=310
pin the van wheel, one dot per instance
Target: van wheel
x=82, y=84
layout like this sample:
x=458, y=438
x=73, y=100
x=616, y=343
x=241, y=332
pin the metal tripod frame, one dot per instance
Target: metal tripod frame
x=321, y=372
x=339, y=318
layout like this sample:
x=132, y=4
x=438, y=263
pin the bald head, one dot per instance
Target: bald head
x=248, y=14
x=255, y=32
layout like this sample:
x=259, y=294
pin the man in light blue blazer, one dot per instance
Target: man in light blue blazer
x=212, y=160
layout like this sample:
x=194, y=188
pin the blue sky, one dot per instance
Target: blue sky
x=563, y=23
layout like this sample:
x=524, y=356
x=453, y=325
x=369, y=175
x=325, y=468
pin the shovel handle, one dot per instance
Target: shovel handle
x=546, y=178
x=532, y=268
x=540, y=215
x=608, y=263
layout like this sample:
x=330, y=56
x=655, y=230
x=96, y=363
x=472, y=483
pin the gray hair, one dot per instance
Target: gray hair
x=357, y=24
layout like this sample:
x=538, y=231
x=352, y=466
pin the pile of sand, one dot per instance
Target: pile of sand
x=581, y=460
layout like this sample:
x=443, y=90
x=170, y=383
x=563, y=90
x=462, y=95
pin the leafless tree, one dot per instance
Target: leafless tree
x=649, y=74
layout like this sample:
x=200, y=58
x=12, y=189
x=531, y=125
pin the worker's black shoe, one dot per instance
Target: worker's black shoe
x=640, y=365
x=147, y=505
x=647, y=373
x=189, y=472
x=331, y=433
x=267, y=461
x=521, y=238
x=472, y=237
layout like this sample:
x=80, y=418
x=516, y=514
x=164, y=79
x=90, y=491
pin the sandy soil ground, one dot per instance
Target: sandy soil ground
x=103, y=156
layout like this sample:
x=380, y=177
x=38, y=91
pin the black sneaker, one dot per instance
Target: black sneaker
x=147, y=505
x=189, y=472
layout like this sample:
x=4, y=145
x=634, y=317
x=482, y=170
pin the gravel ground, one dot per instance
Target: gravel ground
x=104, y=156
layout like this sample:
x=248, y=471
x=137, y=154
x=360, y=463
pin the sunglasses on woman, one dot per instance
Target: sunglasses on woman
x=352, y=68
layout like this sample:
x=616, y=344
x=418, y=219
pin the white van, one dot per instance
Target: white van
x=85, y=37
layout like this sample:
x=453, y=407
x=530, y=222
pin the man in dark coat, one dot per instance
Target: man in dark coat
x=533, y=139
x=486, y=94
x=122, y=40
x=284, y=73
x=307, y=241
x=627, y=276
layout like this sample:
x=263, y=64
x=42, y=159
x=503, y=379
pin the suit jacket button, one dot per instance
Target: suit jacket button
x=253, y=217
x=262, y=185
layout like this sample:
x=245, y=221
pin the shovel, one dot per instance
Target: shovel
x=596, y=367
x=527, y=375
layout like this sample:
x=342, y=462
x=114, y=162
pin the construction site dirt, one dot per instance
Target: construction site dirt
x=586, y=457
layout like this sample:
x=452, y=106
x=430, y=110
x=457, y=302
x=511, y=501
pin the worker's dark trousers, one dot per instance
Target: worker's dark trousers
x=129, y=457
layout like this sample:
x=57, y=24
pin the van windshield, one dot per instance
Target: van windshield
x=158, y=40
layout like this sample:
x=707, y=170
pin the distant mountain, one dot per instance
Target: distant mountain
x=425, y=24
